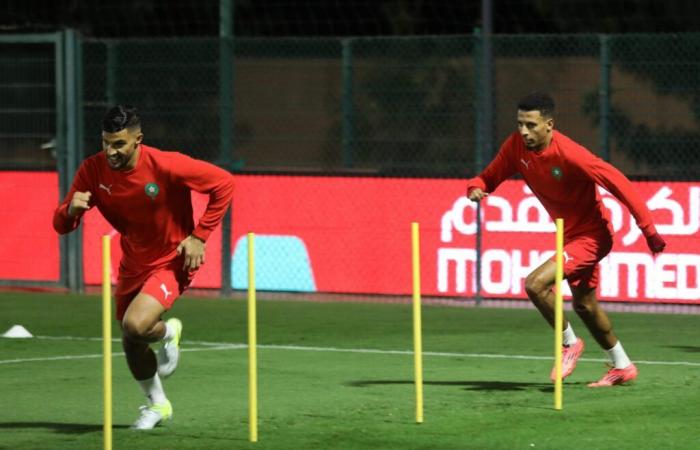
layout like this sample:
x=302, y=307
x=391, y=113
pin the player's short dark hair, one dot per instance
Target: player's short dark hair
x=538, y=101
x=120, y=117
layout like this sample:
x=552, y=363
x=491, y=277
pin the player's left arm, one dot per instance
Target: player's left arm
x=208, y=179
x=606, y=175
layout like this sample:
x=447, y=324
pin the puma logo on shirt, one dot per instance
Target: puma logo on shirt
x=106, y=188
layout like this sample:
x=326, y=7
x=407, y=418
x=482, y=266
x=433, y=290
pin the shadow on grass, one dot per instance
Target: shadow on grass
x=686, y=348
x=59, y=427
x=475, y=385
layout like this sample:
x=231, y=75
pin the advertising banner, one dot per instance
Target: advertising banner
x=29, y=243
x=352, y=235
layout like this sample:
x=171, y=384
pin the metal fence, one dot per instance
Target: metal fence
x=399, y=106
x=408, y=106
x=27, y=102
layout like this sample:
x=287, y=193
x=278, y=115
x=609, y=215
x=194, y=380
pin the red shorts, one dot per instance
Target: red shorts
x=165, y=285
x=581, y=257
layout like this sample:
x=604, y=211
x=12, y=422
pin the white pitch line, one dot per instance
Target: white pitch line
x=460, y=355
x=214, y=346
x=99, y=355
x=54, y=358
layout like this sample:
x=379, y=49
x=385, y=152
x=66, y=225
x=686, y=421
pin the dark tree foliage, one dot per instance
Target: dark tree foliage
x=432, y=97
x=670, y=63
x=130, y=18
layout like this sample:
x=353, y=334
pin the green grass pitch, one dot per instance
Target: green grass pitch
x=340, y=376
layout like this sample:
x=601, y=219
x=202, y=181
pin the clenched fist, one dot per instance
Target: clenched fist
x=656, y=243
x=79, y=203
x=476, y=194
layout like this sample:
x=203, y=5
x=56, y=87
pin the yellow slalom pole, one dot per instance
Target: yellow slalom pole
x=107, y=340
x=558, y=314
x=252, y=344
x=417, y=341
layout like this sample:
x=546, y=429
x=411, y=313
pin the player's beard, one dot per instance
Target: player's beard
x=116, y=162
x=121, y=160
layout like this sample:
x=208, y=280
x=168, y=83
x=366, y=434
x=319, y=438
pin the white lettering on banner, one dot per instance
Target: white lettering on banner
x=506, y=216
x=522, y=223
x=460, y=256
x=490, y=259
x=512, y=270
x=678, y=225
x=659, y=272
x=687, y=264
x=667, y=276
x=455, y=218
x=660, y=201
x=520, y=271
x=610, y=273
x=664, y=274
x=623, y=274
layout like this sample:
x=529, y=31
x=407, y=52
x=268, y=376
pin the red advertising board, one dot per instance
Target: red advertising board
x=356, y=231
x=352, y=235
x=518, y=236
x=356, y=234
x=27, y=238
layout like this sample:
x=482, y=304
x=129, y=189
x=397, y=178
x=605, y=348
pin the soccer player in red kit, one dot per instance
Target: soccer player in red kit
x=144, y=193
x=563, y=175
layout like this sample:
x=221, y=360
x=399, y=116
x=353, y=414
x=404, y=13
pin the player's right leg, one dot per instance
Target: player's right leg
x=152, y=415
x=141, y=325
x=538, y=286
x=142, y=363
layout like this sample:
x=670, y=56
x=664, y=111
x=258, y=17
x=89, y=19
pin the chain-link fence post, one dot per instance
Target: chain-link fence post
x=347, y=103
x=70, y=109
x=484, y=126
x=226, y=128
x=111, y=49
x=604, y=97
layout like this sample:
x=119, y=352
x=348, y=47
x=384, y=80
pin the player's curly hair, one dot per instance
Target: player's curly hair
x=120, y=117
x=537, y=101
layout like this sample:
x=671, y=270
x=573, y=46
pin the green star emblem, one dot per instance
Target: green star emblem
x=557, y=173
x=152, y=190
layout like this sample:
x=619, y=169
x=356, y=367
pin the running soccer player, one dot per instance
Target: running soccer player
x=144, y=193
x=563, y=175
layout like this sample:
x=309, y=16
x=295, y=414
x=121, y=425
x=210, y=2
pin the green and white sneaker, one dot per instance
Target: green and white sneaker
x=152, y=415
x=169, y=354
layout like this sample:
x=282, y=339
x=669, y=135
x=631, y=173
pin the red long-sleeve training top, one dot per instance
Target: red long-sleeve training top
x=150, y=205
x=563, y=176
